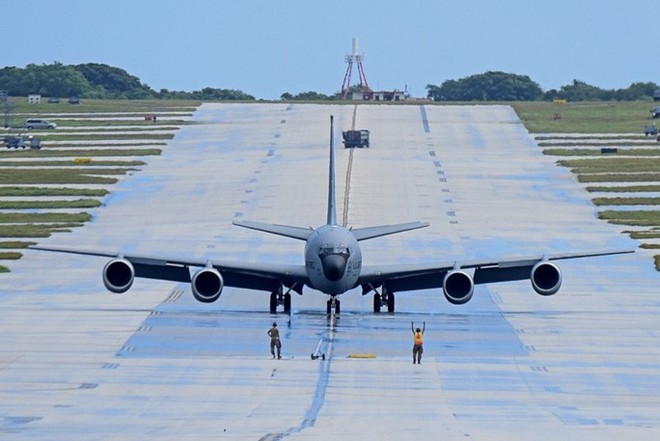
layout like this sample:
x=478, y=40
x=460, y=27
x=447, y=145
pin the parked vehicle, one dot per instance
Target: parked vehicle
x=356, y=138
x=14, y=142
x=650, y=129
x=39, y=124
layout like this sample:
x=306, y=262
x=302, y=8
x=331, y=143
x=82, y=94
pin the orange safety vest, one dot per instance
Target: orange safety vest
x=419, y=338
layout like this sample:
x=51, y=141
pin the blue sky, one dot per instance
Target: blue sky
x=268, y=47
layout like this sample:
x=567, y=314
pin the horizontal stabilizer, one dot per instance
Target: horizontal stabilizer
x=280, y=230
x=384, y=230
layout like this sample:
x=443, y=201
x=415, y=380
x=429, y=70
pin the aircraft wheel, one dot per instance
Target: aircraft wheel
x=390, y=302
x=287, y=303
x=273, y=303
x=376, y=303
x=337, y=307
x=329, y=307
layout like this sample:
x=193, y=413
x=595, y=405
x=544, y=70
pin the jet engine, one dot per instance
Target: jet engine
x=207, y=285
x=118, y=275
x=458, y=287
x=546, y=278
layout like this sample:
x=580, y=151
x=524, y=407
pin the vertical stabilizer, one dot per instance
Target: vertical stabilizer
x=332, y=202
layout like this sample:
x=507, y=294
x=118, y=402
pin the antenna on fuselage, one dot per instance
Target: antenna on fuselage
x=332, y=213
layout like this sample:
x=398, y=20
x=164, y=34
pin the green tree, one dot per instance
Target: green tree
x=114, y=82
x=46, y=79
x=210, y=93
x=581, y=91
x=636, y=91
x=489, y=86
x=307, y=96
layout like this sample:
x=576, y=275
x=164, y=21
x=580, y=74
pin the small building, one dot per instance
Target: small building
x=394, y=95
x=34, y=99
x=383, y=95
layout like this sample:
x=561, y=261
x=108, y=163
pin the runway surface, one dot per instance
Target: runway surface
x=79, y=363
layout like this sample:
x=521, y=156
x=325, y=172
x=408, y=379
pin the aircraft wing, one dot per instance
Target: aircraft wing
x=425, y=276
x=259, y=276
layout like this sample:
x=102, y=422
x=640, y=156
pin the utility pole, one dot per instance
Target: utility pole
x=4, y=99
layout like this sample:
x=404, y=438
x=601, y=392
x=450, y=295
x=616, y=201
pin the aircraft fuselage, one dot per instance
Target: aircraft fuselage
x=333, y=259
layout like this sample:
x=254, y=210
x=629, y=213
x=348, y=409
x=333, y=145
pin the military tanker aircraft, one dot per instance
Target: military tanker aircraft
x=333, y=266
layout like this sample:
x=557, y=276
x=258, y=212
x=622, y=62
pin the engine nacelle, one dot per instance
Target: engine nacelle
x=546, y=278
x=458, y=287
x=207, y=285
x=118, y=275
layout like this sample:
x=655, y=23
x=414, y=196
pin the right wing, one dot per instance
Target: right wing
x=258, y=276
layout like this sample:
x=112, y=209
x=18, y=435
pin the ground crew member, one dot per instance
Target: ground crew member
x=275, y=342
x=418, y=342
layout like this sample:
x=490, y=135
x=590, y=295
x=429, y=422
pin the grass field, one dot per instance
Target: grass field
x=69, y=175
x=613, y=165
x=20, y=105
x=591, y=152
x=631, y=160
x=50, y=191
x=93, y=164
x=44, y=205
x=78, y=152
x=598, y=117
x=626, y=189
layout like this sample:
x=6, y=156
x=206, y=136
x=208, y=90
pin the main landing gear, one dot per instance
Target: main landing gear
x=382, y=299
x=277, y=298
x=333, y=303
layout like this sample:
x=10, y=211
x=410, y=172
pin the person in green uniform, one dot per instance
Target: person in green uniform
x=275, y=343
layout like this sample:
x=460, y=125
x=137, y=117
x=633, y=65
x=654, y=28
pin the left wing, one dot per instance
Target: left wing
x=545, y=277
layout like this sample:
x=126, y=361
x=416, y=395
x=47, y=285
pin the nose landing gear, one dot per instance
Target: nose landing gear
x=333, y=303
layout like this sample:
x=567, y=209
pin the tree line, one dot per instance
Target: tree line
x=501, y=86
x=94, y=80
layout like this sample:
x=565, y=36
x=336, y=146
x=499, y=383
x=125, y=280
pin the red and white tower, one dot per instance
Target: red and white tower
x=363, y=86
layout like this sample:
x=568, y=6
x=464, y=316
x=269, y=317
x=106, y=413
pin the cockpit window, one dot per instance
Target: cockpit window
x=340, y=249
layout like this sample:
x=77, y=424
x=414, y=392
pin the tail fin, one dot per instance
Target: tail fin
x=298, y=232
x=360, y=233
x=332, y=200
x=304, y=233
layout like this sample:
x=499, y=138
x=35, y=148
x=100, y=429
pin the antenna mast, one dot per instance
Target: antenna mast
x=356, y=58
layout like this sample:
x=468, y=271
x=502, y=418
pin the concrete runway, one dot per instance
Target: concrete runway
x=79, y=363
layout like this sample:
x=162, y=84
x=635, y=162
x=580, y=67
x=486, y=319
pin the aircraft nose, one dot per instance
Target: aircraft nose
x=334, y=266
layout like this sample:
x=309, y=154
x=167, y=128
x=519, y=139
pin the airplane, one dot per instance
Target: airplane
x=333, y=266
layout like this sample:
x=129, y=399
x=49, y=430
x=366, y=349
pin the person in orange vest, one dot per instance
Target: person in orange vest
x=418, y=342
x=275, y=342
